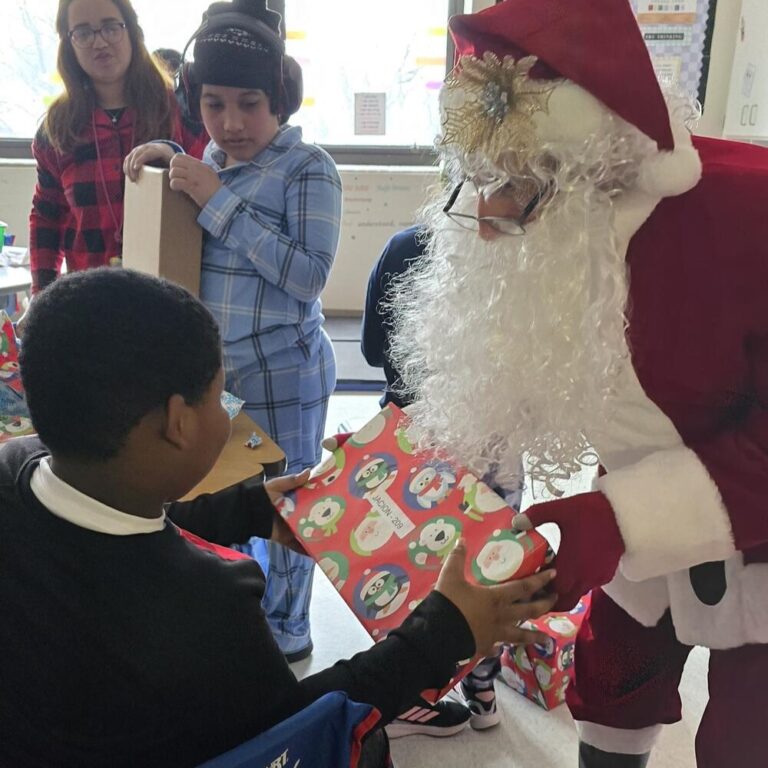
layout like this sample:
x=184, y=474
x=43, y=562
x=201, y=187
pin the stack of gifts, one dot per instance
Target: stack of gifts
x=542, y=672
x=380, y=517
x=14, y=414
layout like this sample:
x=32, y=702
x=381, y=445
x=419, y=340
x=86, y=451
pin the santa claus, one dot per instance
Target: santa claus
x=597, y=280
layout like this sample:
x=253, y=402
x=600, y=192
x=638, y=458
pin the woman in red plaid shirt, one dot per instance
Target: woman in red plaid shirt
x=115, y=97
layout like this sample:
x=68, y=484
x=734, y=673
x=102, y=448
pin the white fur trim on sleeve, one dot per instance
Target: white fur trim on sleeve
x=669, y=512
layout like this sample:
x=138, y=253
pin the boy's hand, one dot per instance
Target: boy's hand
x=279, y=486
x=138, y=157
x=194, y=178
x=276, y=488
x=494, y=613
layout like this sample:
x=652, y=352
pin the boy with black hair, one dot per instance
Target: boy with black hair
x=123, y=642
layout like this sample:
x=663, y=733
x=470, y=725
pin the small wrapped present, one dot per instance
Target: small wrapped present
x=542, y=672
x=231, y=404
x=14, y=414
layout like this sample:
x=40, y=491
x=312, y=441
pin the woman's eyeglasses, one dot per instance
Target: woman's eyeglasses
x=506, y=225
x=111, y=32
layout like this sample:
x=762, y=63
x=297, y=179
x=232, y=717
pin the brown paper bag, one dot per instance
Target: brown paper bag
x=161, y=235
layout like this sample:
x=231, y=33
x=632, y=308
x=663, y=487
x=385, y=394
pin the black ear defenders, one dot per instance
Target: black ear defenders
x=292, y=86
x=288, y=76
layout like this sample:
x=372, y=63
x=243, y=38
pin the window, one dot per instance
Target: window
x=372, y=69
x=30, y=80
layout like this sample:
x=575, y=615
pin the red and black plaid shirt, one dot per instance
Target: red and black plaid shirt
x=71, y=216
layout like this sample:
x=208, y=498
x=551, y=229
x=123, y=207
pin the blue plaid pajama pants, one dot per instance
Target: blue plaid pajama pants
x=290, y=405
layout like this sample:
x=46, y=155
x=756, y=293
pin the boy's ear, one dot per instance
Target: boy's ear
x=179, y=422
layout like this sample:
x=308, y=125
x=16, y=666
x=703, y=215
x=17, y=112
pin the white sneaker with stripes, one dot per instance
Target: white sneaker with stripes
x=482, y=705
x=442, y=719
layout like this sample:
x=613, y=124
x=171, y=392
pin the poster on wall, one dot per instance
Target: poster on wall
x=678, y=34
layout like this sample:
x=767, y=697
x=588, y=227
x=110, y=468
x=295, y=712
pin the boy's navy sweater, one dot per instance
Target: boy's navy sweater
x=145, y=650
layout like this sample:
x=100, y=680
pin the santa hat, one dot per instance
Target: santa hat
x=546, y=70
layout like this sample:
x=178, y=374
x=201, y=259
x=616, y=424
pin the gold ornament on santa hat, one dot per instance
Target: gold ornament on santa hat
x=489, y=104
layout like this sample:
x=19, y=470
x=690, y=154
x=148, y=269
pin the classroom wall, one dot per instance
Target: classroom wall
x=378, y=202
x=17, y=180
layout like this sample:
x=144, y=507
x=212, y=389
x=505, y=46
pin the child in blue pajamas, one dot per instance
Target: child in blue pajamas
x=271, y=211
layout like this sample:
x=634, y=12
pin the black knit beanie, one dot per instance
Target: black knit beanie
x=228, y=53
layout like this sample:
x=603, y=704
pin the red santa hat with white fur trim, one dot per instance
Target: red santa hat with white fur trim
x=529, y=72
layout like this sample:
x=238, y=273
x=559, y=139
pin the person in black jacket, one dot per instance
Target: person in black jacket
x=402, y=250
x=125, y=641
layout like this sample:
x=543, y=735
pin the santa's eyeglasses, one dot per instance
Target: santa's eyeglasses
x=506, y=225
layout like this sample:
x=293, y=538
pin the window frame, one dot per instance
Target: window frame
x=343, y=154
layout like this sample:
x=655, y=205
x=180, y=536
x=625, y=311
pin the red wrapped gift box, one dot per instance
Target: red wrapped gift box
x=14, y=414
x=380, y=517
x=542, y=672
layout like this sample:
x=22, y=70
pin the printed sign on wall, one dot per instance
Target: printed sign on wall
x=678, y=36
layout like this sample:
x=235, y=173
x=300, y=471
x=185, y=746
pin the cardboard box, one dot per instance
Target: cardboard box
x=161, y=235
x=542, y=672
x=380, y=517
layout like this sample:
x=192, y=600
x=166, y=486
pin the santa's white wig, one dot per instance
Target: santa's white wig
x=515, y=346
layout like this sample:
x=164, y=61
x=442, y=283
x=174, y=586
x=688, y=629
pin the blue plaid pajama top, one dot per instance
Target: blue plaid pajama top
x=271, y=234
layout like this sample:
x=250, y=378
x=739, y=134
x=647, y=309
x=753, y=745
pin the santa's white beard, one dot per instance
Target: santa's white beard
x=513, y=346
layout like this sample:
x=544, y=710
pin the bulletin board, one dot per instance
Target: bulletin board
x=678, y=34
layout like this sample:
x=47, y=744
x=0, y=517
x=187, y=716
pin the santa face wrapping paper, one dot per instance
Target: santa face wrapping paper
x=542, y=672
x=14, y=414
x=380, y=518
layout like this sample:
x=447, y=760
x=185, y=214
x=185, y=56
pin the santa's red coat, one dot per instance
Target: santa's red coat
x=687, y=455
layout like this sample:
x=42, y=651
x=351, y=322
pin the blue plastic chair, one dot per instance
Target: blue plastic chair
x=326, y=734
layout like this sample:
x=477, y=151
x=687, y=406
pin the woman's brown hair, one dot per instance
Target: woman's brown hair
x=147, y=88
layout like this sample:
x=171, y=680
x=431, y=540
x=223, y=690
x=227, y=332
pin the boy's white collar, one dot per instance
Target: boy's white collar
x=66, y=502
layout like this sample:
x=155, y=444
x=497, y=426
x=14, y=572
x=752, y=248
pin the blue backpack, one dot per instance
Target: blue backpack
x=326, y=734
